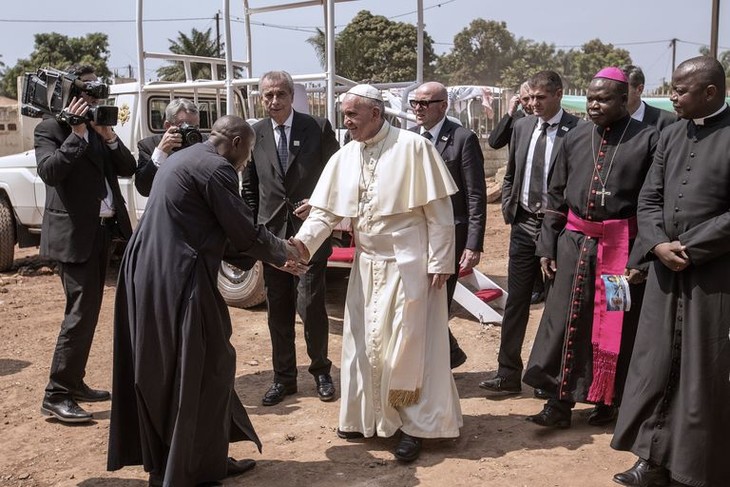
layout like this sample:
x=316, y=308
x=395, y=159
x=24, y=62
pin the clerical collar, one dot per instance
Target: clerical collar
x=708, y=118
x=380, y=135
x=435, y=130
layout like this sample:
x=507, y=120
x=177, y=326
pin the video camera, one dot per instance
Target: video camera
x=49, y=92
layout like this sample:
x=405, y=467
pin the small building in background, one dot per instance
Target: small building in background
x=11, y=138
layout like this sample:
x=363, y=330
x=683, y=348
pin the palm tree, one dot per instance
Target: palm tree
x=198, y=43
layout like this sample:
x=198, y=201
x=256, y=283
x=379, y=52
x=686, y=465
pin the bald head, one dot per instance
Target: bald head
x=430, y=102
x=233, y=139
x=698, y=87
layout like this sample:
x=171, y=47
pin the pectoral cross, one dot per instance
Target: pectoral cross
x=603, y=194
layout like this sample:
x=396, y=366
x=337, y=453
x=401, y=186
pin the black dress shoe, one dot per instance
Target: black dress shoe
x=237, y=467
x=64, y=409
x=408, y=449
x=457, y=357
x=551, y=417
x=501, y=385
x=602, y=415
x=541, y=394
x=643, y=474
x=349, y=435
x=536, y=298
x=276, y=393
x=87, y=394
x=156, y=480
x=325, y=387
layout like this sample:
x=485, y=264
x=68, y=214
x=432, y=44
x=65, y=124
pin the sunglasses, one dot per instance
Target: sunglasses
x=422, y=103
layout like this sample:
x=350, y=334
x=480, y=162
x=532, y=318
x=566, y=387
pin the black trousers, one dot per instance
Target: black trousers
x=287, y=295
x=83, y=284
x=460, y=245
x=522, y=270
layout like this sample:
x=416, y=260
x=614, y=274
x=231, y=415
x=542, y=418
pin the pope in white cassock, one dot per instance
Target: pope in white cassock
x=395, y=187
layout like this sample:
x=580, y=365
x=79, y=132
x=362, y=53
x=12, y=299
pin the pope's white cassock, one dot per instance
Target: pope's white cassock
x=395, y=353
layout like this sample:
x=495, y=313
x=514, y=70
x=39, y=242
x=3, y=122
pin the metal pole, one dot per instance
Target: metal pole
x=419, y=47
x=229, y=57
x=249, y=54
x=330, y=46
x=218, y=33
x=141, y=108
x=673, y=42
x=715, y=22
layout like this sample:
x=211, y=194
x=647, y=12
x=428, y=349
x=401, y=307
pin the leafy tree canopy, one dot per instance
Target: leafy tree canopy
x=198, y=43
x=59, y=51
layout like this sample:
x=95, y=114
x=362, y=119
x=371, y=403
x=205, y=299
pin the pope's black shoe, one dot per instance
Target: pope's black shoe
x=643, y=474
x=457, y=357
x=64, y=409
x=325, y=387
x=551, y=417
x=349, y=435
x=602, y=415
x=277, y=392
x=501, y=385
x=87, y=394
x=408, y=448
x=237, y=467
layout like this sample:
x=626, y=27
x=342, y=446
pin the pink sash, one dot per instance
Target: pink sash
x=613, y=254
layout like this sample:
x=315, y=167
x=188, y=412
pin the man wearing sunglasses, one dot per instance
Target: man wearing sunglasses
x=460, y=150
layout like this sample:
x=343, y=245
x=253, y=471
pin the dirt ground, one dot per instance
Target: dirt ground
x=497, y=447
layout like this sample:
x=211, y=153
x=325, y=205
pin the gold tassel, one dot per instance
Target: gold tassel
x=399, y=398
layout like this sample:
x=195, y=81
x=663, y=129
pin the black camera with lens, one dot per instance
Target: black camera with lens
x=190, y=134
x=49, y=91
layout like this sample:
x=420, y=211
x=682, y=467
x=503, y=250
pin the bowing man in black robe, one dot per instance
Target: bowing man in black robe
x=676, y=411
x=581, y=350
x=174, y=408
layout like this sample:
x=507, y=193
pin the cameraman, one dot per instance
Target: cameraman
x=154, y=150
x=84, y=209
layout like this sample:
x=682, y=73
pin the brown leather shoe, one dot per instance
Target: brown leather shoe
x=643, y=474
x=277, y=392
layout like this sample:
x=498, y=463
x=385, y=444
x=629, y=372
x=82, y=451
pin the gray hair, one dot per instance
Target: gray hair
x=278, y=76
x=176, y=106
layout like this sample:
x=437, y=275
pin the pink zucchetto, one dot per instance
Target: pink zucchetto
x=612, y=73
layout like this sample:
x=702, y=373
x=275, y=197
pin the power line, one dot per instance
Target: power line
x=107, y=21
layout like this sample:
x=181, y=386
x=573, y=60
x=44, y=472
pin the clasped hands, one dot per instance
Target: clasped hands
x=672, y=254
x=297, y=257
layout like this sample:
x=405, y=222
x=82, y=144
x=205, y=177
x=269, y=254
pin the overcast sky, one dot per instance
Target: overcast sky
x=643, y=27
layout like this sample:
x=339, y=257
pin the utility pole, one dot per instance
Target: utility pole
x=218, y=33
x=673, y=43
x=715, y=22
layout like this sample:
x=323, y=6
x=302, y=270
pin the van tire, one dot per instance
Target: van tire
x=7, y=234
x=242, y=289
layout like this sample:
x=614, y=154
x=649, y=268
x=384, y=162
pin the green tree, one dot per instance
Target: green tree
x=376, y=49
x=59, y=51
x=579, y=67
x=529, y=58
x=481, y=52
x=198, y=43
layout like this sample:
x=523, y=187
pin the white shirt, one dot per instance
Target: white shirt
x=287, y=129
x=107, y=204
x=435, y=130
x=550, y=132
x=639, y=113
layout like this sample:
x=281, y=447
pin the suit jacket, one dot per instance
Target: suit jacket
x=502, y=133
x=519, y=146
x=271, y=194
x=459, y=148
x=146, y=169
x=74, y=171
x=657, y=117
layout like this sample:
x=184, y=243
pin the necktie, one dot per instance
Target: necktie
x=537, y=176
x=282, y=149
x=428, y=135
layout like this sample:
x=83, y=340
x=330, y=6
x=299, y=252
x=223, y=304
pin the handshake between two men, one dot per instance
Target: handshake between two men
x=297, y=257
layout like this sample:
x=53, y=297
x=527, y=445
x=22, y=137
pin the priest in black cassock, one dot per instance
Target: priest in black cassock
x=676, y=411
x=174, y=408
x=582, y=349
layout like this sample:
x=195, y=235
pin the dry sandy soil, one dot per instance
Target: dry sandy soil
x=497, y=447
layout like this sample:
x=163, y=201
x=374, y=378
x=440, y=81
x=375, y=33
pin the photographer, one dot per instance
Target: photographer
x=181, y=129
x=79, y=160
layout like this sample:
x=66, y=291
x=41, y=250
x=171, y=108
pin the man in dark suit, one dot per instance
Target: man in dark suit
x=459, y=148
x=639, y=109
x=155, y=149
x=519, y=106
x=535, y=142
x=291, y=151
x=79, y=161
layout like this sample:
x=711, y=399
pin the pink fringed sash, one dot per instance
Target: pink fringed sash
x=613, y=254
